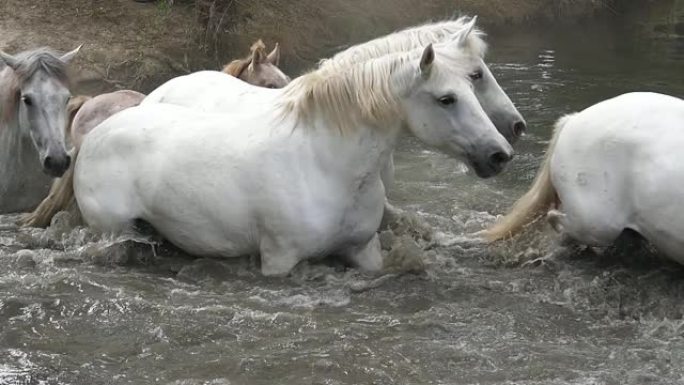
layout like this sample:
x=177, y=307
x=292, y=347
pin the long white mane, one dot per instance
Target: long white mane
x=408, y=39
x=347, y=96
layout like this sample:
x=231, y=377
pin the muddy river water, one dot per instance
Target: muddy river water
x=76, y=308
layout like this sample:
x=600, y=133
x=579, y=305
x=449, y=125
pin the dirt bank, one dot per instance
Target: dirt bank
x=139, y=45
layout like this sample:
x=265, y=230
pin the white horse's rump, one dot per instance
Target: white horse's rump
x=614, y=166
x=283, y=181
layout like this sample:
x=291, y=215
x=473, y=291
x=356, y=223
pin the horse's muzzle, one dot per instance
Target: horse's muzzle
x=56, y=166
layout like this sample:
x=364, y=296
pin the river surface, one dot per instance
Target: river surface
x=76, y=308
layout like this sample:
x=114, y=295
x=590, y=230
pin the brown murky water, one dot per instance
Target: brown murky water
x=79, y=309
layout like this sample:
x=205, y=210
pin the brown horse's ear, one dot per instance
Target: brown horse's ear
x=258, y=54
x=274, y=56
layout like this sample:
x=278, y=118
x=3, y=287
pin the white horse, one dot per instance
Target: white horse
x=296, y=181
x=211, y=91
x=611, y=167
x=34, y=92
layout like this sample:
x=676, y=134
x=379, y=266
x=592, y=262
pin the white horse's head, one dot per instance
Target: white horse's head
x=493, y=99
x=42, y=94
x=443, y=111
x=497, y=105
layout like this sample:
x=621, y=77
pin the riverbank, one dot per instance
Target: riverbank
x=139, y=45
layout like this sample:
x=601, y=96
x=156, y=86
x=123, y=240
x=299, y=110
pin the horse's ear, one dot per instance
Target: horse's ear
x=67, y=57
x=274, y=56
x=426, y=60
x=258, y=57
x=461, y=37
x=9, y=60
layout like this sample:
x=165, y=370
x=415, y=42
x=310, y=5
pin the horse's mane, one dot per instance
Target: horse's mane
x=349, y=92
x=236, y=67
x=9, y=96
x=41, y=59
x=347, y=96
x=406, y=40
x=27, y=64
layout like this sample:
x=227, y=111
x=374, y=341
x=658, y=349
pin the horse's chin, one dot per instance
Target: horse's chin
x=485, y=171
x=54, y=173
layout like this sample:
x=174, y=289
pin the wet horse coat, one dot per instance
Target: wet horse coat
x=613, y=166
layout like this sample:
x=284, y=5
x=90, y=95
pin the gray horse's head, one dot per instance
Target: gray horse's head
x=42, y=95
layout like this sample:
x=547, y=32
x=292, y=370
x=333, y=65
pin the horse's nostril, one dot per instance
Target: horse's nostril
x=48, y=162
x=56, y=165
x=519, y=128
x=499, y=158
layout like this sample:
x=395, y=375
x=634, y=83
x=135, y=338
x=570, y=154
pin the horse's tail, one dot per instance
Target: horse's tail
x=538, y=199
x=60, y=197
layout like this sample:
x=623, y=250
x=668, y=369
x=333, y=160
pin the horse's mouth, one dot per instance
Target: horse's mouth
x=485, y=171
x=56, y=169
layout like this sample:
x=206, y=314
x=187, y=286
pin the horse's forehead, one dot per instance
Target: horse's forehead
x=43, y=84
x=269, y=72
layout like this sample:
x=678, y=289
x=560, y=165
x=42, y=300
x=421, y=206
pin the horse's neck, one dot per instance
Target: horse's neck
x=17, y=153
x=22, y=182
x=357, y=154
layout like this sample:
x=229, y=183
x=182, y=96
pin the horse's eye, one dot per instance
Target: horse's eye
x=27, y=100
x=447, y=100
x=476, y=75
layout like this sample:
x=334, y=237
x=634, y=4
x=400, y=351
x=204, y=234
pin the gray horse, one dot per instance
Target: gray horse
x=34, y=92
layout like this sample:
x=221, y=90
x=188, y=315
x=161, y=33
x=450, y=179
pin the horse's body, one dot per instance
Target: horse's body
x=33, y=97
x=611, y=167
x=257, y=68
x=298, y=180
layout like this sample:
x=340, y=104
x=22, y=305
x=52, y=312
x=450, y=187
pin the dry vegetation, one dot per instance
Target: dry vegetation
x=139, y=45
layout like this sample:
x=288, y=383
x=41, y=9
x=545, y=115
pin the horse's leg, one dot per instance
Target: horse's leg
x=387, y=173
x=277, y=260
x=390, y=213
x=367, y=257
x=585, y=226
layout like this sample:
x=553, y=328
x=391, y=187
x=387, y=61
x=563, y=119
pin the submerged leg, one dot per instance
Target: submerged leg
x=276, y=259
x=390, y=215
x=555, y=218
x=368, y=257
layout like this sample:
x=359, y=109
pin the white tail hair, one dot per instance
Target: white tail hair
x=536, y=201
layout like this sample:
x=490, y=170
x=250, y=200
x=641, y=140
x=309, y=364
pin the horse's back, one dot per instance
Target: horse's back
x=212, y=91
x=98, y=109
x=613, y=164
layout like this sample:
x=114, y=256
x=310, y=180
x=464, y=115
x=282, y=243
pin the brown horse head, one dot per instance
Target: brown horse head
x=259, y=68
